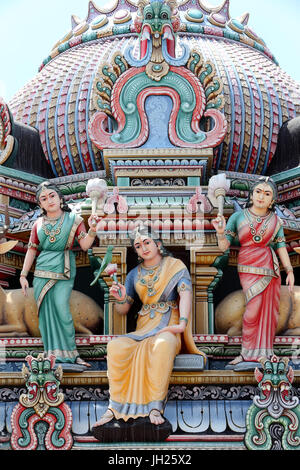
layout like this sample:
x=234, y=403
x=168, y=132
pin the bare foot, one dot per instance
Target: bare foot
x=106, y=418
x=156, y=417
x=81, y=362
x=237, y=360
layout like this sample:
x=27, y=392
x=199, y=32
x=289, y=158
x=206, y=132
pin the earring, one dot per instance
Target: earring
x=161, y=250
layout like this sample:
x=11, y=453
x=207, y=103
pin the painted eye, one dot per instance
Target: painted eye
x=164, y=16
x=148, y=16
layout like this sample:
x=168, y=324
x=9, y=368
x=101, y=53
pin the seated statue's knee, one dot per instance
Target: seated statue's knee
x=166, y=341
x=115, y=347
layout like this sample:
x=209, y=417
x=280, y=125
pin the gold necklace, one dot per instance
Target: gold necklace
x=151, y=278
x=52, y=233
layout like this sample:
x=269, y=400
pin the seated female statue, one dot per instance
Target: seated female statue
x=140, y=363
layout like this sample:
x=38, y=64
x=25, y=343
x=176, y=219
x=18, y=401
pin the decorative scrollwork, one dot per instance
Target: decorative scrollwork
x=275, y=404
x=41, y=419
x=121, y=90
x=7, y=141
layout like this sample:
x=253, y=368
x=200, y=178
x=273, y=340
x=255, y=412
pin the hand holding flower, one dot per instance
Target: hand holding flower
x=111, y=270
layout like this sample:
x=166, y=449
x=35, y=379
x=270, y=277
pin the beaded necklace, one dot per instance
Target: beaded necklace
x=257, y=235
x=150, y=279
x=52, y=232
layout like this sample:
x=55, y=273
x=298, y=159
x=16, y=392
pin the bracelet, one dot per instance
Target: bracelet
x=221, y=236
x=24, y=273
x=121, y=302
x=184, y=319
x=288, y=269
x=92, y=233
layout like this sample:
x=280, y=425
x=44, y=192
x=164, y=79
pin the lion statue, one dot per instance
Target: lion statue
x=19, y=317
x=229, y=313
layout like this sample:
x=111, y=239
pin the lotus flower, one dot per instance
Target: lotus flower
x=111, y=271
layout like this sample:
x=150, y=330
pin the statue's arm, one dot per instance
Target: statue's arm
x=219, y=225
x=87, y=241
x=28, y=262
x=185, y=307
x=123, y=302
x=285, y=260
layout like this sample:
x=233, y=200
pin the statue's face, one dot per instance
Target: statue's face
x=156, y=15
x=50, y=201
x=262, y=196
x=147, y=249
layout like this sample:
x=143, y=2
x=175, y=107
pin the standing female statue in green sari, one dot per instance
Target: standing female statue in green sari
x=52, y=238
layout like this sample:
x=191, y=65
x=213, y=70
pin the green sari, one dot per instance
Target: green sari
x=53, y=283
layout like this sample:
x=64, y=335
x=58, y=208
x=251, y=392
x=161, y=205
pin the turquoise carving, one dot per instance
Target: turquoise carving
x=140, y=82
x=42, y=421
x=192, y=84
x=274, y=406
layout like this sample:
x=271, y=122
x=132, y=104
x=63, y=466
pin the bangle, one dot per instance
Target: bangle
x=288, y=269
x=221, y=236
x=92, y=233
x=184, y=319
x=121, y=302
x=24, y=273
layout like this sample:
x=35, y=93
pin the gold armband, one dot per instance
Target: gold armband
x=92, y=233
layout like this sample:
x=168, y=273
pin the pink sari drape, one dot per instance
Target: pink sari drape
x=260, y=279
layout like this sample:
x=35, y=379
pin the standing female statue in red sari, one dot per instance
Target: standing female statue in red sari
x=258, y=231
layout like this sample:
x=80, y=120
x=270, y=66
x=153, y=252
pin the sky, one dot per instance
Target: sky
x=30, y=28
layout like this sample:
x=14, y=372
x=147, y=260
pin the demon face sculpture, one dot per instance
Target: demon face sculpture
x=123, y=86
x=274, y=408
x=41, y=420
x=157, y=22
x=275, y=386
x=42, y=384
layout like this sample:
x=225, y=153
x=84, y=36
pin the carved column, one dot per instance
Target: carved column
x=114, y=324
x=204, y=278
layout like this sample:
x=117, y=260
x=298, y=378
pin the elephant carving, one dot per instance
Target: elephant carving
x=19, y=317
x=229, y=313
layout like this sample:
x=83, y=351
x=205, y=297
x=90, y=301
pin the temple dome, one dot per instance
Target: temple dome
x=259, y=96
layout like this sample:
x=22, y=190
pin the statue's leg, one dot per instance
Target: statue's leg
x=236, y=360
x=106, y=418
x=156, y=417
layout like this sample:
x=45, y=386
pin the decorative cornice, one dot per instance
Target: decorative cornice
x=99, y=378
x=117, y=18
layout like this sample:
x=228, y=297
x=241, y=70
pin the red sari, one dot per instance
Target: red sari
x=259, y=274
